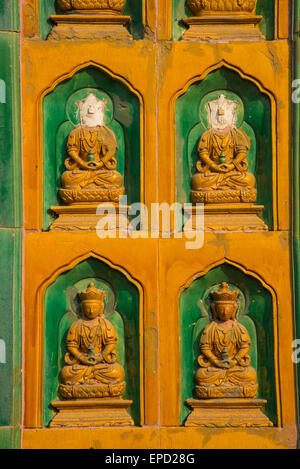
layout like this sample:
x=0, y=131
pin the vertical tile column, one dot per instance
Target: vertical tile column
x=10, y=227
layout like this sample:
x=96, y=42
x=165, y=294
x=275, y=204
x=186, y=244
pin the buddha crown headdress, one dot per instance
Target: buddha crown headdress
x=224, y=295
x=92, y=293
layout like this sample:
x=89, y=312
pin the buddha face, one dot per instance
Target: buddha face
x=92, y=111
x=224, y=311
x=92, y=309
x=222, y=113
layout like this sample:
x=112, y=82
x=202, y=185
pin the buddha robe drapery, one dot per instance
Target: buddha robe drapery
x=85, y=338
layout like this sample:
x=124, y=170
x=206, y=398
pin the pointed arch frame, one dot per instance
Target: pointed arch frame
x=36, y=405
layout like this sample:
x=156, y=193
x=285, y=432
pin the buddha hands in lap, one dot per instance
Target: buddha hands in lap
x=224, y=359
x=90, y=362
x=91, y=174
x=222, y=170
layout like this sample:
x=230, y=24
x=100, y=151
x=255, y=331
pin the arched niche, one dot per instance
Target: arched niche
x=132, y=8
x=62, y=309
x=256, y=123
x=57, y=124
x=255, y=313
x=265, y=8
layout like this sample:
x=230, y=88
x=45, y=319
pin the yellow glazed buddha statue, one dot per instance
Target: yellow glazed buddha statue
x=225, y=383
x=223, y=182
x=224, y=359
x=91, y=370
x=90, y=20
x=222, y=170
x=91, y=186
x=91, y=174
x=222, y=21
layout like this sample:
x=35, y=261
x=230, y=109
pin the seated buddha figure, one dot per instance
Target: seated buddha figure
x=91, y=174
x=90, y=367
x=222, y=170
x=224, y=359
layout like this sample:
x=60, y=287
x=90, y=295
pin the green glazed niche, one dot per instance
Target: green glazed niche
x=265, y=8
x=254, y=117
x=133, y=8
x=62, y=308
x=60, y=117
x=255, y=312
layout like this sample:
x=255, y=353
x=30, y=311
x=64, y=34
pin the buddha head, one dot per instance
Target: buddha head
x=220, y=7
x=224, y=305
x=92, y=111
x=222, y=113
x=90, y=6
x=92, y=302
